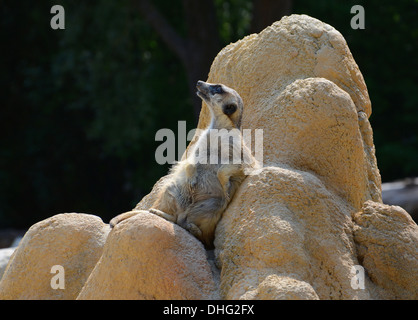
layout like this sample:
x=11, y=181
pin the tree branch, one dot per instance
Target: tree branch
x=173, y=40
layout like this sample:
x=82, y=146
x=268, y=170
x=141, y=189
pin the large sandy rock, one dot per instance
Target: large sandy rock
x=147, y=257
x=264, y=69
x=387, y=240
x=301, y=86
x=287, y=236
x=288, y=233
x=73, y=241
x=284, y=224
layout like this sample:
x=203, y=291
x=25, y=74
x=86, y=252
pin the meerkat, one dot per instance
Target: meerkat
x=200, y=187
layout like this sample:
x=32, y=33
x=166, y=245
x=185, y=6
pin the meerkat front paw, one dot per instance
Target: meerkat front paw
x=194, y=230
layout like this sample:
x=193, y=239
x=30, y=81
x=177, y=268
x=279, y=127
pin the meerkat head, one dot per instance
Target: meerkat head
x=223, y=101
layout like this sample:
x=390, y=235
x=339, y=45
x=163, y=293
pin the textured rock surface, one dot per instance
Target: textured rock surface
x=74, y=241
x=387, y=240
x=286, y=225
x=313, y=126
x=301, y=85
x=147, y=257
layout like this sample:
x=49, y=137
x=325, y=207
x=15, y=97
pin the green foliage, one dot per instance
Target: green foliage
x=81, y=106
x=234, y=19
x=79, y=126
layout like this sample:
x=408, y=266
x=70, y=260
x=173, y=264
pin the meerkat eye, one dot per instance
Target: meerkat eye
x=229, y=109
x=216, y=89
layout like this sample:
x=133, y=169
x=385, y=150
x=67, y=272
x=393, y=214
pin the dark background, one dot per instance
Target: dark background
x=80, y=107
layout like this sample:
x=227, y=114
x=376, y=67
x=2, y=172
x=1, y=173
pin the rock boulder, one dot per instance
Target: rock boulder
x=147, y=257
x=71, y=240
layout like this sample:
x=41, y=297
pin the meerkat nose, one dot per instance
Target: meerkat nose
x=200, y=83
